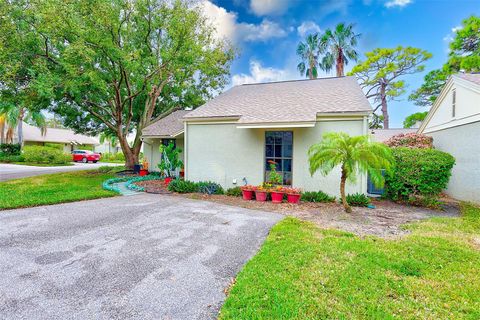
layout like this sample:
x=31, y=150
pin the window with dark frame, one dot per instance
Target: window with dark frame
x=454, y=102
x=279, y=148
x=166, y=142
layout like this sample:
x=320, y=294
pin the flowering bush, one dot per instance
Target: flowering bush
x=279, y=189
x=291, y=190
x=410, y=140
x=247, y=188
x=274, y=177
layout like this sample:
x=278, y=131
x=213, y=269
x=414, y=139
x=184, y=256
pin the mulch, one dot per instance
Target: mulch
x=153, y=186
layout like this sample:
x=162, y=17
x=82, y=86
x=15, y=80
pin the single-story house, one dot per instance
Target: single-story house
x=231, y=138
x=33, y=136
x=454, y=123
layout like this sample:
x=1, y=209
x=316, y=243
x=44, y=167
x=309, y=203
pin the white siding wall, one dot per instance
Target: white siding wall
x=222, y=153
x=152, y=153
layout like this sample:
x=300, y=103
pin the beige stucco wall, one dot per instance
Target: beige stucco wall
x=462, y=143
x=152, y=153
x=224, y=153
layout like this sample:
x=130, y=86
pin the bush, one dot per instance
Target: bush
x=410, y=140
x=110, y=169
x=317, y=196
x=11, y=158
x=234, y=192
x=209, y=187
x=39, y=154
x=106, y=157
x=358, y=200
x=182, y=186
x=419, y=175
x=10, y=149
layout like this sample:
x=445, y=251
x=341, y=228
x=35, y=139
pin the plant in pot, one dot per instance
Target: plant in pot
x=144, y=170
x=261, y=192
x=247, y=192
x=170, y=164
x=293, y=195
x=275, y=179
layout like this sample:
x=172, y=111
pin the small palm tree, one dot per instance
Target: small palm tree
x=308, y=51
x=14, y=116
x=354, y=155
x=340, y=47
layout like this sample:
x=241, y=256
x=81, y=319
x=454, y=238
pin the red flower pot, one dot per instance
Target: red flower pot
x=143, y=172
x=167, y=181
x=277, y=197
x=261, y=195
x=247, y=194
x=293, y=198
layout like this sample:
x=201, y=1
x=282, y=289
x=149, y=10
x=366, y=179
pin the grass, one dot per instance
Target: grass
x=53, y=188
x=44, y=164
x=303, y=272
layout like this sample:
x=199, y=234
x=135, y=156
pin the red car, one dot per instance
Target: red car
x=85, y=156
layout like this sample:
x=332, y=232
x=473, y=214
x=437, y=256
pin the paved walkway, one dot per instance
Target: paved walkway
x=140, y=257
x=15, y=171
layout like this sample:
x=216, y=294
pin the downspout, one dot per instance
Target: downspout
x=185, y=150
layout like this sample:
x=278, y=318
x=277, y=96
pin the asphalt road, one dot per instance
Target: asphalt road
x=140, y=257
x=15, y=171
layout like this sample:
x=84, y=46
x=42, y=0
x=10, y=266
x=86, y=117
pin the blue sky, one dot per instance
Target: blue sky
x=266, y=33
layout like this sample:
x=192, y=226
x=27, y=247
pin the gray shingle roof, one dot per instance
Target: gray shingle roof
x=472, y=77
x=53, y=135
x=287, y=101
x=167, y=126
x=382, y=135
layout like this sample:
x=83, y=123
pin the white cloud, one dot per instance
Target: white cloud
x=258, y=73
x=268, y=7
x=228, y=27
x=397, y=3
x=449, y=37
x=307, y=27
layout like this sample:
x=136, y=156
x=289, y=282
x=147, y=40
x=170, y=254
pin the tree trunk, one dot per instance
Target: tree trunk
x=310, y=73
x=340, y=63
x=343, y=180
x=131, y=158
x=2, y=131
x=383, y=97
x=20, y=126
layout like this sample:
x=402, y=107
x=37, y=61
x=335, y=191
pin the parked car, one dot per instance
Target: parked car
x=85, y=156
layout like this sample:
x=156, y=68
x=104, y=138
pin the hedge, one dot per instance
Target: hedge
x=39, y=154
x=418, y=173
x=10, y=149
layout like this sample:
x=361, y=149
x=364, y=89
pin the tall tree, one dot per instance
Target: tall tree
x=117, y=64
x=353, y=155
x=414, y=118
x=380, y=74
x=464, y=56
x=339, y=46
x=308, y=52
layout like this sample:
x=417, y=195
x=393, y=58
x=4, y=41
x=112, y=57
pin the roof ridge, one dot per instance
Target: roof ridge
x=293, y=80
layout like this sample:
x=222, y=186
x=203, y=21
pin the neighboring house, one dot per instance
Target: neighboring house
x=70, y=140
x=454, y=123
x=107, y=146
x=167, y=128
x=231, y=138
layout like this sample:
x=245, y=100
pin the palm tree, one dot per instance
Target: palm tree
x=13, y=119
x=354, y=155
x=308, y=51
x=340, y=47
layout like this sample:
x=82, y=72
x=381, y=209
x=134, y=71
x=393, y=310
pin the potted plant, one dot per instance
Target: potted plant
x=261, y=193
x=170, y=164
x=247, y=192
x=293, y=195
x=277, y=193
x=144, y=170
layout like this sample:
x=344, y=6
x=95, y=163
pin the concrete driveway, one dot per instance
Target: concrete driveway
x=139, y=257
x=15, y=171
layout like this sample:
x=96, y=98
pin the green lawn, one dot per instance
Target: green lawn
x=303, y=272
x=53, y=188
x=43, y=164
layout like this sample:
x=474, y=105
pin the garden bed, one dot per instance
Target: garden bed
x=153, y=186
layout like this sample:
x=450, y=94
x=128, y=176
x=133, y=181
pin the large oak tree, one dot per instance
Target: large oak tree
x=113, y=66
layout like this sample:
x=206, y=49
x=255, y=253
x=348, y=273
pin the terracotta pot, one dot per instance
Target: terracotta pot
x=167, y=181
x=293, y=198
x=261, y=195
x=247, y=194
x=277, y=197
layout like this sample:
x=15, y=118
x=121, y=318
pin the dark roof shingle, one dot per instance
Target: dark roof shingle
x=167, y=126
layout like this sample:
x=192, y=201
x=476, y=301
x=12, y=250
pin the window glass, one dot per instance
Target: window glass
x=279, y=148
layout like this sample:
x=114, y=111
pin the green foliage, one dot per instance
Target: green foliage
x=182, y=186
x=316, y=196
x=112, y=157
x=380, y=74
x=39, y=154
x=419, y=175
x=354, y=155
x=410, y=140
x=11, y=159
x=358, y=200
x=274, y=178
x=10, y=149
x=234, y=192
x=209, y=187
x=308, y=53
x=170, y=162
x=412, y=119
x=57, y=146
x=428, y=92
x=110, y=169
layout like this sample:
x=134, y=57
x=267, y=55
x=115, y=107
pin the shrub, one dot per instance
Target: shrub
x=317, y=196
x=410, y=140
x=39, y=154
x=182, y=186
x=10, y=149
x=209, y=187
x=109, y=169
x=234, y=192
x=119, y=156
x=11, y=158
x=419, y=175
x=358, y=200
